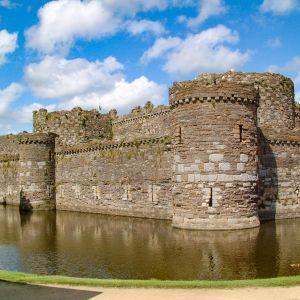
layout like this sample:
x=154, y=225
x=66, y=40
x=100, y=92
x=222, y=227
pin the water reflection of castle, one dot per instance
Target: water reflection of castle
x=105, y=246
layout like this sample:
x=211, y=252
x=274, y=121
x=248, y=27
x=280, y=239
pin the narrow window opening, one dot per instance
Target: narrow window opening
x=241, y=132
x=152, y=191
x=49, y=191
x=210, y=203
x=180, y=135
x=50, y=155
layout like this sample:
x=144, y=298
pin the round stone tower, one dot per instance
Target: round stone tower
x=215, y=155
x=37, y=171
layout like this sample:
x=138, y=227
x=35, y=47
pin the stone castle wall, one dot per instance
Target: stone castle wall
x=279, y=174
x=132, y=178
x=223, y=155
x=73, y=127
x=9, y=179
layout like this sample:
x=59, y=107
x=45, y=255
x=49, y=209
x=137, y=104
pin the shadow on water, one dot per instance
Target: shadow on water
x=25, y=217
x=267, y=179
x=91, y=245
x=267, y=251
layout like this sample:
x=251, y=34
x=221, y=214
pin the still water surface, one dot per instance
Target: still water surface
x=91, y=245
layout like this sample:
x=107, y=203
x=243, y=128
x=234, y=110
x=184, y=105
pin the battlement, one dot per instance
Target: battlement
x=97, y=146
x=147, y=112
x=212, y=91
x=37, y=138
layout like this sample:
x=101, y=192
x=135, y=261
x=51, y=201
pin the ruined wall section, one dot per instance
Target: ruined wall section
x=144, y=122
x=215, y=155
x=279, y=174
x=75, y=126
x=125, y=178
x=276, y=96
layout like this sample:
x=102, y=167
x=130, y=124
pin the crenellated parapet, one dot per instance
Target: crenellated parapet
x=148, y=121
x=37, y=138
x=213, y=91
x=97, y=146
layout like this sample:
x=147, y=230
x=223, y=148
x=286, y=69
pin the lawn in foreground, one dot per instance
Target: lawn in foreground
x=19, y=277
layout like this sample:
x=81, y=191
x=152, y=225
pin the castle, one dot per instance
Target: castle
x=225, y=154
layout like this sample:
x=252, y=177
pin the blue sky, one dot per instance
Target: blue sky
x=122, y=53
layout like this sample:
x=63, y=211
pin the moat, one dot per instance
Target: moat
x=92, y=245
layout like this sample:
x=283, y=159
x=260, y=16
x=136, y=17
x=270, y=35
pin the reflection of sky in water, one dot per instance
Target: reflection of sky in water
x=10, y=258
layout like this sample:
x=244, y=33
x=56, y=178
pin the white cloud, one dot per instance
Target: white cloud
x=207, y=9
x=56, y=77
x=142, y=26
x=206, y=51
x=61, y=22
x=7, y=4
x=7, y=96
x=279, y=7
x=79, y=82
x=8, y=44
x=123, y=96
x=274, y=43
x=131, y=7
x=160, y=47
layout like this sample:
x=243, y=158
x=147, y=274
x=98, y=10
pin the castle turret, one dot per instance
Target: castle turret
x=37, y=171
x=215, y=155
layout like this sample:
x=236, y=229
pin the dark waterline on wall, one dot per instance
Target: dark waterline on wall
x=91, y=245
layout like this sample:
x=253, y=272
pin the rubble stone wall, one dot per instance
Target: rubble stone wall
x=143, y=123
x=279, y=176
x=132, y=178
x=9, y=182
x=37, y=171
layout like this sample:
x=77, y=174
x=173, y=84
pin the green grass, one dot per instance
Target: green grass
x=152, y=283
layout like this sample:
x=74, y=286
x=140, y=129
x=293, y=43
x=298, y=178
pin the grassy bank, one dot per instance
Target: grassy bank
x=152, y=283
